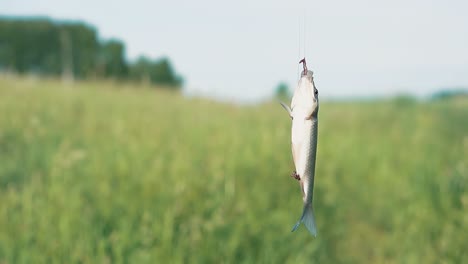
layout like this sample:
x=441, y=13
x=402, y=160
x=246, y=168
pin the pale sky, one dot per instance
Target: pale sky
x=240, y=50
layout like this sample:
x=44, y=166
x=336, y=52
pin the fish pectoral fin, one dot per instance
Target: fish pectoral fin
x=287, y=109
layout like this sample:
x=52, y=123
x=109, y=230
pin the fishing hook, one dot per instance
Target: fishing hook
x=304, y=66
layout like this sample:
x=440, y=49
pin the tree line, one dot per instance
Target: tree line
x=73, y=50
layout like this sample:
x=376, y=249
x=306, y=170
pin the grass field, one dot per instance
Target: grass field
x=108, y=173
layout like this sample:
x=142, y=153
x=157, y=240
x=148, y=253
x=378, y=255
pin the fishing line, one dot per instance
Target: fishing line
x=299, y=46
x=305, y=31
x=302, y=32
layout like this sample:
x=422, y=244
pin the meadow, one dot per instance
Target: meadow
x=101, y=172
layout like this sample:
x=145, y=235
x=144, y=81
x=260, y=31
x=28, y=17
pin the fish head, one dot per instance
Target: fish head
x=305, y=99
x=310, y=78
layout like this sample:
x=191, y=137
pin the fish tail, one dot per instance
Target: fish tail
x=308, y=219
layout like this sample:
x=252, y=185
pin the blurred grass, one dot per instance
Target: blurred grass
x=105, y=173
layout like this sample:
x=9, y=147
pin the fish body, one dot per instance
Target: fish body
x=304, y=132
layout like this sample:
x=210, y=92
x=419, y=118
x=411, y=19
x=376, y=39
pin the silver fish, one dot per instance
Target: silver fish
x=304, y=115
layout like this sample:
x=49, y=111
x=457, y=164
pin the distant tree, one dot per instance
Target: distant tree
x=29, y=46
x=140, y=70
x=282, y=91
x=72, y=50
x=111, y=60
x=162, y=73
x=85, y=47
x=404, y=100
x=41, y=46
x=155, y=72
x=446, y=94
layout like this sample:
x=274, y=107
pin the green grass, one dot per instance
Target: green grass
x=109, y=173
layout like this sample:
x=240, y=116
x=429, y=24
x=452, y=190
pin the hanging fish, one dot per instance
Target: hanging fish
x=304, y=113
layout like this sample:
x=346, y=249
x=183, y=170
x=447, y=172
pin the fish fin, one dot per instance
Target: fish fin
x=287, y=109
x=308, y=219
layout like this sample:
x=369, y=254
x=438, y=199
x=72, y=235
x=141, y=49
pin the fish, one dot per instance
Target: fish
x=304, y=133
